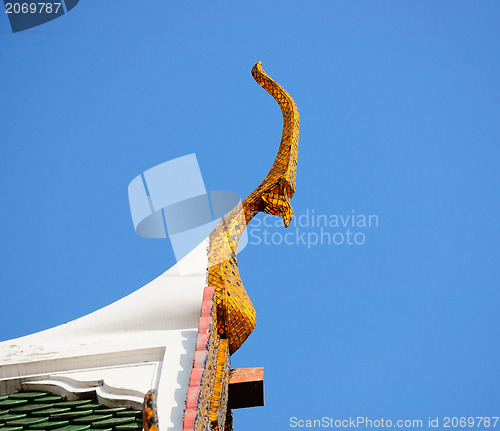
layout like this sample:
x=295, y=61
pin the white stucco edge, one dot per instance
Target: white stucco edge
x=120, y=352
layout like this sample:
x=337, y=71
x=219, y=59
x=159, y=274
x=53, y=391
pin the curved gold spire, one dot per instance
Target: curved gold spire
x=284, y=168
x=235, y=312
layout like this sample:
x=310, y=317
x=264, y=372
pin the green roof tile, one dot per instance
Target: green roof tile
x=12, y=403
x=27, y=395
x=9, y=417
x=26, y=421
x=73, y=428
x=129, y=413
x=3, y=397
x=112, y=410
x=49, y=425
x=3, y=412
x=12, y=428
x=51, y=411
x=91, y=419
x=74, y=403
x=130, y=426
x=49, y=399
x=90, y=406
x=112, y=422
x=29, y=408
x=71, y=414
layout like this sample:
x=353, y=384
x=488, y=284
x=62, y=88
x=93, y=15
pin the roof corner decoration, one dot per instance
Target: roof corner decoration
x=236, y=314
x=173, y=363
x=232, y=316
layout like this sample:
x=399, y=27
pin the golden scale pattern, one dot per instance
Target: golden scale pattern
x=235, y=313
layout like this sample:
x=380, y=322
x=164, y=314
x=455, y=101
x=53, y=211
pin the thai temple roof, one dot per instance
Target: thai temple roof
x=164, y=350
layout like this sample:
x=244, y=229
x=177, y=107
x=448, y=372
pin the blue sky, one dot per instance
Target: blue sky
x=399, y=105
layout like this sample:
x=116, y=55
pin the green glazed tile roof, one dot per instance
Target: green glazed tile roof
x=40, y=411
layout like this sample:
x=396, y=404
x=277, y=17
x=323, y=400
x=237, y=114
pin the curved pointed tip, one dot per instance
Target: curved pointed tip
x=257, y=68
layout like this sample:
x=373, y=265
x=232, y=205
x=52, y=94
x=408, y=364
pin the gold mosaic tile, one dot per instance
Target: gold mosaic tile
x=235, y=313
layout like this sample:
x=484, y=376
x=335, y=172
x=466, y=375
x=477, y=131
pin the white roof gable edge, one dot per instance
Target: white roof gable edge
x=120, y=351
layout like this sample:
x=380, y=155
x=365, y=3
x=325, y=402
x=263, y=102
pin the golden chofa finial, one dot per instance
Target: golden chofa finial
x=235, y=312
x=284, y=168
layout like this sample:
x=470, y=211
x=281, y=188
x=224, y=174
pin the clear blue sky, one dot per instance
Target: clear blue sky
x=400, y=117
